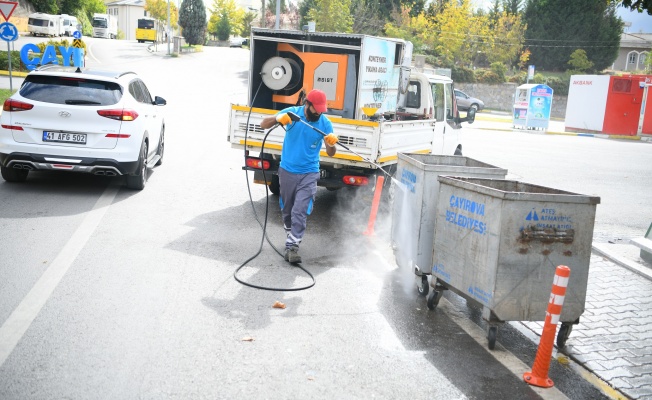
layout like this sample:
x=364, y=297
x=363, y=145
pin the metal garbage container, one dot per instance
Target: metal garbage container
x=413, y=209
x=498, y=243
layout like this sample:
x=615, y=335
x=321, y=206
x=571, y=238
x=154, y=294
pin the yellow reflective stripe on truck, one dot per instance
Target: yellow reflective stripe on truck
x=334, y=119
x=251, y=143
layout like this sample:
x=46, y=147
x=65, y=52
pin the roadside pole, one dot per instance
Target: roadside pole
x=8, y=32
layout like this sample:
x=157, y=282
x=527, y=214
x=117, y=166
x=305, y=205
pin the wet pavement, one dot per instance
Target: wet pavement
x=613, y=339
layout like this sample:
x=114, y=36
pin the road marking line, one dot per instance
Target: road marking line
x=22, y=317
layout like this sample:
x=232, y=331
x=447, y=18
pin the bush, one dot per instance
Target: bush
x=520, y=78
x=499, y=69
x=489, y=77
x=57, y=43
x=462, y=75
x=16, y=63
x=559, y=85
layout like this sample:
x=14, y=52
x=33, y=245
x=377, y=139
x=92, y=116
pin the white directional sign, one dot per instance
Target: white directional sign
x=7, y=8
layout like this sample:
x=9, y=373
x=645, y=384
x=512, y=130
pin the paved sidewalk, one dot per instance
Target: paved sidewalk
x=614, y=337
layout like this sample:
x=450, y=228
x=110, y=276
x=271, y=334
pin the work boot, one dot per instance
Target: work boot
x=292, y=255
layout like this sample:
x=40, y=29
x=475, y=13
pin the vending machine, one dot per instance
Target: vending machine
x=532, y=106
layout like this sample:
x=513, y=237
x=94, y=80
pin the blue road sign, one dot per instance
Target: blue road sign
x=8, y=32
x=76, y=35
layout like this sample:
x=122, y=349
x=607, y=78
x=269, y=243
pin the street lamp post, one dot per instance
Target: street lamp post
x=167, y=34
x=645, y=85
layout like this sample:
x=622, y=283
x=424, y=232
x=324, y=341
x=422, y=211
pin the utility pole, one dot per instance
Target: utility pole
x=168, y=30
x=278, y=14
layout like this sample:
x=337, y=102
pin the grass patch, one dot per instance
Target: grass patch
x=4, y=94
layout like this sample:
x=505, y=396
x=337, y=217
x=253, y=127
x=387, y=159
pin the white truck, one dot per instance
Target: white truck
x=41, y=24
x=105, y=26
x=69, y=24
x=378, y=104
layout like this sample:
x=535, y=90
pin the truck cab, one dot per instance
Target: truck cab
x=432, y=97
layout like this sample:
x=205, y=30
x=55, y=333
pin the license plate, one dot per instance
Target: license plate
x=63, y=137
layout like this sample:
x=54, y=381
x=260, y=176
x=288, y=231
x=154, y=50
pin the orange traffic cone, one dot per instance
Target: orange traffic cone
x=539, y=374
x=374, y=206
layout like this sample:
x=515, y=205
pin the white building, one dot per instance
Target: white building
x=127, y=12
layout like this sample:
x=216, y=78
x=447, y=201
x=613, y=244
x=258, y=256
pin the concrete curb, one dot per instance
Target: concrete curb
x=14, y=73
x=509, y=128
x=601, y=249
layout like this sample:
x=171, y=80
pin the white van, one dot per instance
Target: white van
x=69, y=24
x=44, y=24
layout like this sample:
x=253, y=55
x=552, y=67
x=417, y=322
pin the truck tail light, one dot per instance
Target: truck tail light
x=119, y=115
x=15, y=105
x=353, y=180
x=257, y=163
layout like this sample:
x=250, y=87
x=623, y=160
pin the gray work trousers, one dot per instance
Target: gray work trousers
x=297, y=194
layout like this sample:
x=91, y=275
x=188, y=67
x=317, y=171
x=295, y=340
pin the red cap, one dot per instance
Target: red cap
x=318, y=100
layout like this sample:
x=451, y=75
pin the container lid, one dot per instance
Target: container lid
x=515, y=190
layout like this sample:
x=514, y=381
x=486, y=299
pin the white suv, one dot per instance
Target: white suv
x=82, y=120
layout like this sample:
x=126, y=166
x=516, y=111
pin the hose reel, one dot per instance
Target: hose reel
x=280, y=73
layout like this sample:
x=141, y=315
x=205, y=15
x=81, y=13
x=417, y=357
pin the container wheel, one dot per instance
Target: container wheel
x=422, y=286
x=491, y=336
x=433, y=299
x=564, y=332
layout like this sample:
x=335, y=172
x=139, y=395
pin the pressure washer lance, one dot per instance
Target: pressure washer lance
x=295, y=118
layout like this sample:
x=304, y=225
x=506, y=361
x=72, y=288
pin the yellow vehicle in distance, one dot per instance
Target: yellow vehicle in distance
x=146, y=31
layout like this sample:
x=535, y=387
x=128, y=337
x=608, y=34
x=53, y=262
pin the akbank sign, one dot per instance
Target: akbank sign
x=49, y=56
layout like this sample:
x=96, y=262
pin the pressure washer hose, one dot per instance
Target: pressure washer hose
x=295, y=118
x=264, y=224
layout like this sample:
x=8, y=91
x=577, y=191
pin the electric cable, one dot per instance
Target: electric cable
x=263, y=225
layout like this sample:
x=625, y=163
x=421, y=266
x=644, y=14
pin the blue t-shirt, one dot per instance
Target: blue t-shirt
x=302, y=144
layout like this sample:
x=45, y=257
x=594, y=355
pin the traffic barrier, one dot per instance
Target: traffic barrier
x=374, y=206
x=539, y=375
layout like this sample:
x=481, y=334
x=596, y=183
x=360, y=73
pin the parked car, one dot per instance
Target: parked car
x=464, y=101
x=82, y=120
x=236, y=42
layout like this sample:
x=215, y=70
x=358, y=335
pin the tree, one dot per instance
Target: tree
x=46, y=6
x=223, y=27
x=332, y=15
x=247, y=20
x=555, y=28
x=579, y=61
x=304, y=8
x=409, y=28
x=507, y=41
x=192, y=18
x=158, y=9
x=365, y=18
x=635, y=5
x=512, y=7
x=456, y=34
x=226, y=9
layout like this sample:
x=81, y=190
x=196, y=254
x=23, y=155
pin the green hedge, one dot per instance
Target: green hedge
x=16, y=64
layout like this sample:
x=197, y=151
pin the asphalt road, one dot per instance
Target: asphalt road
x=124, y=294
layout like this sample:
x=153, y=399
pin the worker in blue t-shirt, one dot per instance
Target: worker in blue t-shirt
x=299, y=170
